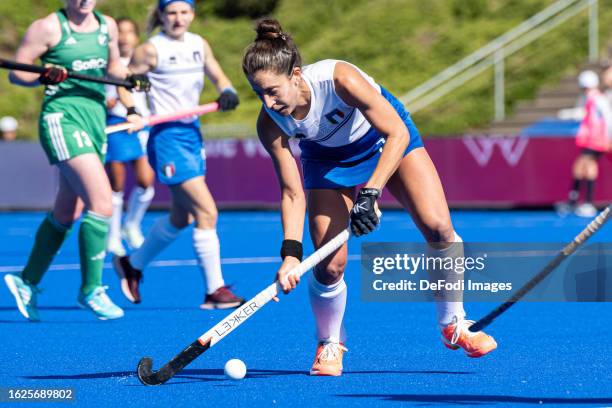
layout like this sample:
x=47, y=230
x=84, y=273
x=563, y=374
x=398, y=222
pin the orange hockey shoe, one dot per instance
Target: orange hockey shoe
x=456, y=335
x=328, y=360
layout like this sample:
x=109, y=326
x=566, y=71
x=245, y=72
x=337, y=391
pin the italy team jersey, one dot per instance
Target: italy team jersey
x=178, y=79
x=330, y=122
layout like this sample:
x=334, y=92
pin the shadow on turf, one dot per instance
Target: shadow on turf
x=477, y=399
x=71, y=320
x=205, y=374
x=22, y=321
x=12, y=308
x=128, y=307
x=199, y=374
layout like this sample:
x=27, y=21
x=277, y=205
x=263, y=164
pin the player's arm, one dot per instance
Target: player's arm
x=118, y=70
x=115, y=68
x=293, y=201
x=228, y=97
x=357, y=92
x=143, y=60
x=39, y=37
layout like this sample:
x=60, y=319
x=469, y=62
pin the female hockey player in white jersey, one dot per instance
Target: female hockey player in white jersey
x=123, y=148
x=176, y=62
x=352, y=131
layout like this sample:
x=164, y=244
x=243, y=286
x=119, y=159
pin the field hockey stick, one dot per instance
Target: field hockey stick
x=168, y=117
x=37, y=69
x=147, y=376
x=569, y=249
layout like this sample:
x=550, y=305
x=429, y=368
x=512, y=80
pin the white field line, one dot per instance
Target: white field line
x=275, y=259
x=167, y=263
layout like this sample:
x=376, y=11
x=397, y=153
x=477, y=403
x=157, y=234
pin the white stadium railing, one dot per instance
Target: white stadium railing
x=495, y=53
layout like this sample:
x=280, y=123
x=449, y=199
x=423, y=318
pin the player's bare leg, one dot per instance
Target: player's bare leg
x=328, y=214
x=195, y=198
x=417, y=187
x=86, y=177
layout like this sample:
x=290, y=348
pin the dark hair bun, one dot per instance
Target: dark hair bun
x=268, y=29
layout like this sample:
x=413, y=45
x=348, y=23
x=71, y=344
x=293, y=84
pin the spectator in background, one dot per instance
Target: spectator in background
x=593, y=138
x=8, y=128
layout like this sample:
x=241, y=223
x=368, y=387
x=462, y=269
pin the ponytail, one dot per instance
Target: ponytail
x=272, y=50
x=153, y=20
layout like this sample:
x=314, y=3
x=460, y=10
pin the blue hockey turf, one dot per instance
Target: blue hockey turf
x=549, y=353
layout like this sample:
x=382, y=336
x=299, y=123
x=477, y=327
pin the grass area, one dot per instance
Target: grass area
x=401, y=43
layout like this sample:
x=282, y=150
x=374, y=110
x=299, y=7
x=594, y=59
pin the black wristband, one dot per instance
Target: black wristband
x=368, y=191
x=293, y=248
x=131, y=111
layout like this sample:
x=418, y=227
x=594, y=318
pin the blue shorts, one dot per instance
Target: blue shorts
x=176, y=152
x=352, y=164
x=124, y=146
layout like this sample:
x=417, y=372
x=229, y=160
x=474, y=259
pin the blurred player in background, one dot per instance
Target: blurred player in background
x=177, y=61
x=127, y=147
x=352, y=131
x=593, y=138
x=71, y=130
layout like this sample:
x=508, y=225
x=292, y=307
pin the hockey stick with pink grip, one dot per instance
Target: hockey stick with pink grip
x=168, y=117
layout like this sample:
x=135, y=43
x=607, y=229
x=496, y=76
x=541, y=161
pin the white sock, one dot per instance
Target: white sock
x=161, y=235
x=140, y=199
x=328, y=303
x=445, y=310
x=114, y=228
x=208, y=251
